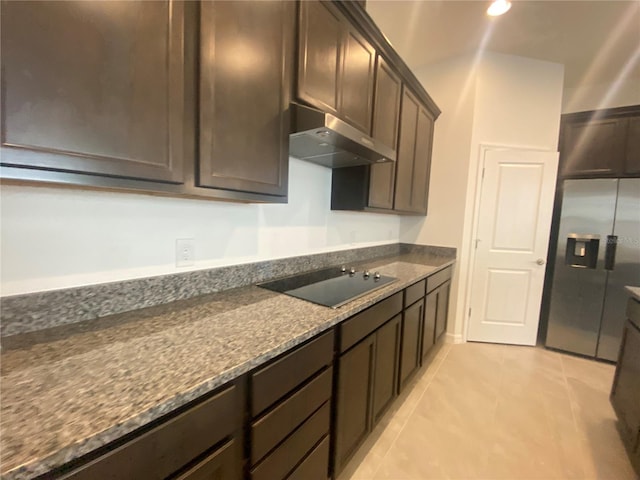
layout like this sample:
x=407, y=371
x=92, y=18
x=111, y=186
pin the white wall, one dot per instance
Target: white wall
x=582, y=98
x=56, y=238
x=452, y=84
x=514, y=101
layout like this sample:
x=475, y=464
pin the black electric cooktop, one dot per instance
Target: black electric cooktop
x=331, y=287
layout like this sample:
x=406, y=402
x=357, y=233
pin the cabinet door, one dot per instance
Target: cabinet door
x=422, y=162
x=442, y=309
x=356, y=80
x=625, y=396
x=593, y=148
x=406, y=152
x=353, y=411
x=222, y=464
x=632, y=158
x=94, y=88
x=410, y=349
x=320, y=39
x=244, y=95
x=386, y=115
x=428, y=331
x=386, y=366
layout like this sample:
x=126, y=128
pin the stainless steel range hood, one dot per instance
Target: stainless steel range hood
x=324, y=139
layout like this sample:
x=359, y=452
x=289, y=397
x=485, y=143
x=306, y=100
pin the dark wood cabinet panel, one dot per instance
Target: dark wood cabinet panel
x=315, y=466
x=386, y=366
x=170, y=446
x=625, y=394
x=353, y=407
x=593, y=147
x=422, y=162
x=319, y=53
x=632, y=154
x=442, y=309
x=356, y=80
x=272, y=382
x=96, y=90
x=410, y=345
x=283, y=460
x=429, y=327
x=406, y=152
x=221, y=464
x=245, y=59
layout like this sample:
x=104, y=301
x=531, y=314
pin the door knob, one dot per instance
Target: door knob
x=540, y=261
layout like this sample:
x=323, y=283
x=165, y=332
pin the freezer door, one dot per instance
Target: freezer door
x=625, y=267
x=577, y=292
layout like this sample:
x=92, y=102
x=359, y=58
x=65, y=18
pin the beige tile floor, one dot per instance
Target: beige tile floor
x=485, y=411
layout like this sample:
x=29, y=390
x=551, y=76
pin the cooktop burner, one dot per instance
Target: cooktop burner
x=331, y=287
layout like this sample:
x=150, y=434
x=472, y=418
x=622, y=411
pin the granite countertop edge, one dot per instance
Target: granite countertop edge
x=634, y=292
x=84, y=446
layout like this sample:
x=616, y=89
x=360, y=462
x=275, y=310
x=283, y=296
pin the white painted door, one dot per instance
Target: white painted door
x=512, y=234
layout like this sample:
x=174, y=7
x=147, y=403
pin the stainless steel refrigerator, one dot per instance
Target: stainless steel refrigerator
x=598, y=253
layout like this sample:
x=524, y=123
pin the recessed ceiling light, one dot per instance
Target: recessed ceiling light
x=498, y=7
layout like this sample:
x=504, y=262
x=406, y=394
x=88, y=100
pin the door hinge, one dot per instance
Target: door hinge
x=483, y=173
x=469, y=313
x=477, y=241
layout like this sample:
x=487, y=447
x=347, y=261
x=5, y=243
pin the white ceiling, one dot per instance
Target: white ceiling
x=597, y=41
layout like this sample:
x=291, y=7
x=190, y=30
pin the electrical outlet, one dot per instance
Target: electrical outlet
x=185, y=252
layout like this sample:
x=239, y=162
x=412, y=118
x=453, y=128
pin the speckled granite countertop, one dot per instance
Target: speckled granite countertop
x=634, y=291
x=71, y=389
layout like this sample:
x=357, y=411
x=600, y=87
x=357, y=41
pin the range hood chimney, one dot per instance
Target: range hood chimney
x=324, y=139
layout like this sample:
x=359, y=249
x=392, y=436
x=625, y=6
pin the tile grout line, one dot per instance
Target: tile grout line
x=391, y=445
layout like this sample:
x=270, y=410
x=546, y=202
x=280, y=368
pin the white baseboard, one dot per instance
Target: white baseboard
x=453, y=338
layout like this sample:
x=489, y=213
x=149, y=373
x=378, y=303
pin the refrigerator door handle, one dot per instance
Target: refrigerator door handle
x=610, y=252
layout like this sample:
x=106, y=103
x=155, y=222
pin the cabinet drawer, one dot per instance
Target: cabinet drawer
x=271, y=429
x=414, y=293
x=168, y=447
x=282, y=460
x=276, y=380
x=359, y=326
x=220, y=464
x=315, y=466
x=438, y=279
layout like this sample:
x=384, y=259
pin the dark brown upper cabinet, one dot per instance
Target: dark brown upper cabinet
x=594, y=148
x=413, y=165
x=244, y=95
x=336, y=65
x=95, y=88
x=632, y=154
x=602, y=143
x=319, y=54
x=386, y=114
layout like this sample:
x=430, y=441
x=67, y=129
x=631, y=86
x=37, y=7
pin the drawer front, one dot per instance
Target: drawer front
x=276, y=380
x=223, y=463
x=359, y=326
x=438, y=279
x=315, y=466
x=414, y=293
x=271, y=429
x=168, y=447
x=283, y=459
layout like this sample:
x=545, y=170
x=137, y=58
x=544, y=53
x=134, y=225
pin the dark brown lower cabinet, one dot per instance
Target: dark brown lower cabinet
x=410, y=349
x=386, y=368
x=429, y=327
x=221, y=464
x=442, y=308
x=353, y=408
x=168, y=448
x=625, y=393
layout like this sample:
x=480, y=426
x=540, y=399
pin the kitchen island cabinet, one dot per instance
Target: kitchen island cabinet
x=625, y=392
